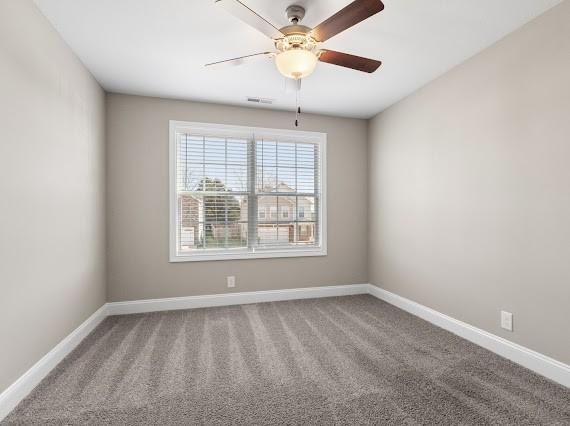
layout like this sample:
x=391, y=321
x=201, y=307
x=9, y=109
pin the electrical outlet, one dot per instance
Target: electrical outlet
x=507, y=320
x=231, y=281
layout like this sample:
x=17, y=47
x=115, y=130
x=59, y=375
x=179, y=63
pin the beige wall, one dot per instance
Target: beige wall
x=470, y=189
x=137, y=178
x=51, y=190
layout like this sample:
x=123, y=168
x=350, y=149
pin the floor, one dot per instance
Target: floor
x=343, y=360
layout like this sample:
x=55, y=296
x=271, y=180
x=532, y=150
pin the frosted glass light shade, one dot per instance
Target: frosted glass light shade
x=296, y=63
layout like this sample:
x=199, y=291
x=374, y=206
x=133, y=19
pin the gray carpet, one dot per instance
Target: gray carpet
x=345, y=360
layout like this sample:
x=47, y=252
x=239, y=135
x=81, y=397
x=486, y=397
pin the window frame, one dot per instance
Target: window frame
x=252, y=133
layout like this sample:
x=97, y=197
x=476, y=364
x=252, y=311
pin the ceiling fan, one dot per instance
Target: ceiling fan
x=298, y=46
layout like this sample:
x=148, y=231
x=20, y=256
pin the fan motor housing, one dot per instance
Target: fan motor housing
x=294, y=29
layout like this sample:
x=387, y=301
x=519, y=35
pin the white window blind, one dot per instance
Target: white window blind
x=240, y=192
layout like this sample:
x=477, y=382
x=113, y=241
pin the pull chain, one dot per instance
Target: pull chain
x=297, y=102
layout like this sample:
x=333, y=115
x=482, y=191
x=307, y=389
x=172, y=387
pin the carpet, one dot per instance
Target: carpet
x=351, y=360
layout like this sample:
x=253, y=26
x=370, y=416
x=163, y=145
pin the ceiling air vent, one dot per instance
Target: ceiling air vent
x=260, y=100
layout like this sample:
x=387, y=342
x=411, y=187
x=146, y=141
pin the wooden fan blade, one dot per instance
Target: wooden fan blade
x=355, y=12
x=237, y=61
x=349, y=61
x=247, y=15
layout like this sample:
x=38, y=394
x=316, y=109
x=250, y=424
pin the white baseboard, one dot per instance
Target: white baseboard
x=18, y=390
x=190, y=302
x=537, y=362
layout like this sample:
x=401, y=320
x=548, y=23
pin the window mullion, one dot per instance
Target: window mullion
x=226, y=222
x=252, y=197
x=204, y=224
x=296, y=207
x=277, y=190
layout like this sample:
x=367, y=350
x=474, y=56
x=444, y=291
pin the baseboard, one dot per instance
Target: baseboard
x=191, y=302
x=535, y=361
x=18, y=390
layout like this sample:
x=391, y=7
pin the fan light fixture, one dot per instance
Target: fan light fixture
x=296, y=63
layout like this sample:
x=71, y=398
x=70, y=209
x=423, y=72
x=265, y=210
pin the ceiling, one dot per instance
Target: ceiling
x=159, y=47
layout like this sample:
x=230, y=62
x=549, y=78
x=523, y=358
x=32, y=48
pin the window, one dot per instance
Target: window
x=240, y=192
x=273, y=212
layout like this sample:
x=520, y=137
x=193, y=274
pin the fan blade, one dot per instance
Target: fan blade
x=349, y=61
x=247, y=15
x=237, y=61
x=355, y=12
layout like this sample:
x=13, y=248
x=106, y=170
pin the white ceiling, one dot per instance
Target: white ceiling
x=159, y=47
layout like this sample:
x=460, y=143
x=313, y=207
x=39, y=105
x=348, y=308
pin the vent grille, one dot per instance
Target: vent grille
x=259, y=100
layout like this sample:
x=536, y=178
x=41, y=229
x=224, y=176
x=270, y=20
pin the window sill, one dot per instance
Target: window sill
x=242, y=254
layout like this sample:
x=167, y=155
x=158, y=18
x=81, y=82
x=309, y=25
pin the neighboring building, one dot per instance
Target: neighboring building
x=191, y=210
x=281, y=220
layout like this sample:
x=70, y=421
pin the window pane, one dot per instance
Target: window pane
x=286, y=167
x=286, y=234
x=264, y=205
x=281, y=226
x=192, y=149
x=273, y=213
x=306, y=233
x=214, y=178
x=266, y=179
x=236, y=178
x=286, y=154
x=237, y=151
x=306, y=155
x=306, y=209
x=214, y=150
x=266, y=153
x=266, y=235
x=189, y=222
x=212, y=221
x=212, y=164
x=287, y=179
x=306, y=181
x=189, y=177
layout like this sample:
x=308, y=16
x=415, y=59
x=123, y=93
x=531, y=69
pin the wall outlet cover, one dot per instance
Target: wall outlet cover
x=231, y=280
x=507, y=320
